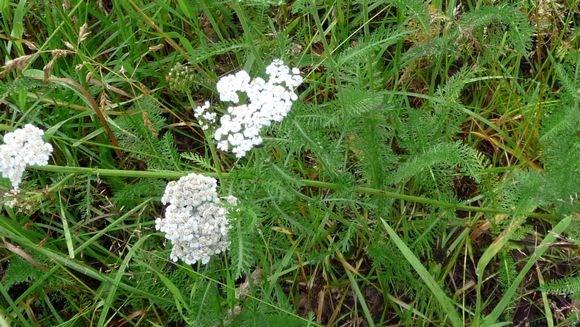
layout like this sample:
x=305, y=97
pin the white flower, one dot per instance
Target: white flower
x=23, y=147
x=194, y=222
x=229, y=86
x=9, y=199
x=232, y=200
x=205, y=117
x=267, y=102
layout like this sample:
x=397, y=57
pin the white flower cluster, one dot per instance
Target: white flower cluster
x=266, y=102
x=23, y=147
x=205, y=116
x=195, y=222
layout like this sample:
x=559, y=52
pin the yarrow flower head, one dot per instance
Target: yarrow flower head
x=180, y=77
x=23, y=147
x=195, y=221
x=266, y=102
x=205, y=117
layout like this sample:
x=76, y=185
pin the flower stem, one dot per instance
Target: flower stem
x=305, y=182
x=115, y=172
x=410, y=198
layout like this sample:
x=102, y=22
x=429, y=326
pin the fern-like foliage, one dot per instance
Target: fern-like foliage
x=440, y=119
x=560, y=138
x=242, y=240
x=86, y=196
x=206, y=304
x=140, y=133
x=218, y=48
x=363, y=114
x=444, y=156
x=362, y=64
x=190, y=297
x=201, y=161
x=564, y=286
x=524, y=191
x=130, y=195
x=449, y=93
x=368, y=46
x=422, y=234
x=353, y=105
x=19, y=271
x=266, y=317
x=433, y=159
x=506, y=274
x=486, y=25
x=507, y=269
x=557, y=184
x=305, y=138
x=393, y=266
x=413, y=9
x=504, y=19
x=19, y=85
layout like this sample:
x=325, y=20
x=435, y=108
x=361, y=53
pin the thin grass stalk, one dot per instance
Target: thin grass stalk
x=304, y=182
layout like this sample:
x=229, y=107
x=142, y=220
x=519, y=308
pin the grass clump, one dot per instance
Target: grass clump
x=426, y=174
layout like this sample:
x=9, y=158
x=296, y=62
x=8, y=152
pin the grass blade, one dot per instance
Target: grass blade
x=545, y=301
x=66, y=229
x=445, y=302
x=117, y=280
x=18, y=26
x=540, y=250
x=356, y=290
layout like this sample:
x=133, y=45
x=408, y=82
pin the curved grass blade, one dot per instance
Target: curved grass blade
x=117, y=280
x=445, y=302
x=540, y=250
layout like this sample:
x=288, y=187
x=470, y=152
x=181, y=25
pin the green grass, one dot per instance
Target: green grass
x=427, y=175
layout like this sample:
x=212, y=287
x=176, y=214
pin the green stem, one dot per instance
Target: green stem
x=305, y=182
x=115, y=172
x=416, y=199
